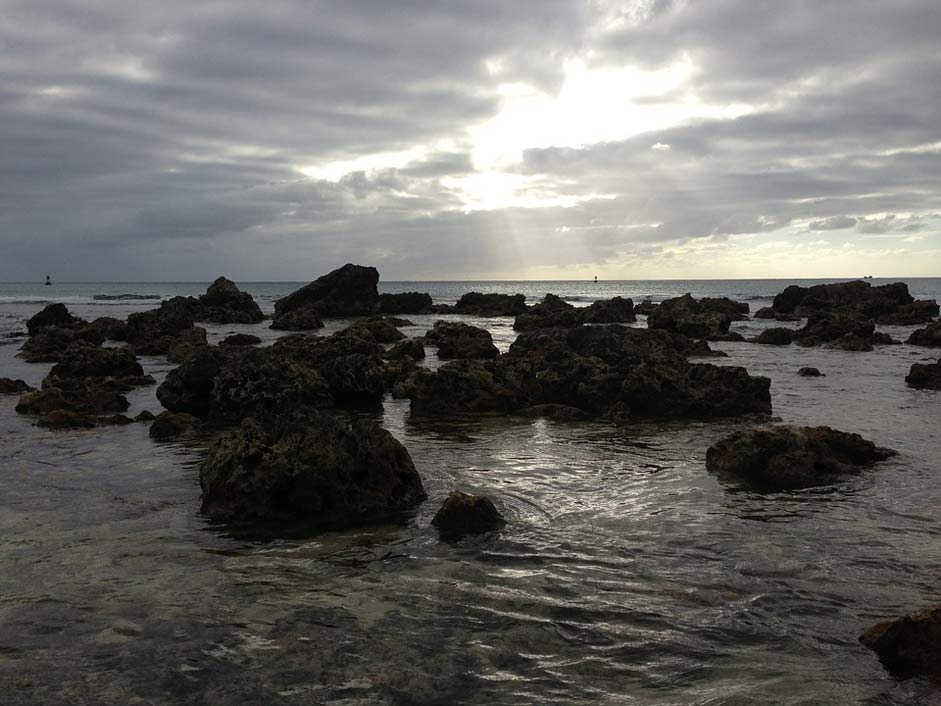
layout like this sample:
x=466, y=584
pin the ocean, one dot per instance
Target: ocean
x=627, y=574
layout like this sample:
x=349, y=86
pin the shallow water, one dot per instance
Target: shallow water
x=627, y=575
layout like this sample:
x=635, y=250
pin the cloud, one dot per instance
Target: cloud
x=833, y=223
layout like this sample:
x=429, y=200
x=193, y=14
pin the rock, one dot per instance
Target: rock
x=788, y=457
x=883, y=339
x=827, y=328
x=9, y=386
x=118, y=420
x=307, y=470
x=347, y=291
x=775, y=337
x=909, y=646
x=609, y=311
x=556, y=411
x=225, y=303
x=405, y=303
x=303, y=319
x=396, y=321
x=477, y=304
x=464, y=514
x=240, y=339
x=85, y=360
x=928, y=336
x=850, y=342
x=65, y=419
x=84, y=396
x=551, y=312
x=730, y=337
x=156, y=331
x=397, y=372
x=810, y=373
x=645, y=307
x=181, y=351
x=378, y=329
x=459, y=340
x=925, y=376
x=766, y=312
x=170, y=425
x=188, y=388
x=145, y=416
x=889, y=304
x=737, y=311
x=687, y=316
x=410, y=347
x=47, y=345
x=56, y=315
x=108, y=328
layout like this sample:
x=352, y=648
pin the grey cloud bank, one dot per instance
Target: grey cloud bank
x=277, y=140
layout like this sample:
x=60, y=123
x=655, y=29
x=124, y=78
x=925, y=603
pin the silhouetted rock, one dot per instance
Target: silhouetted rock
x=378, y=329
x=304, y=319
x=885, y=304
x=225, y=303
x=788, y=457
x=155, y=331
x=768, y=312
x=56, y=315
x=477, y=304
x=86, y=360
x=347, y=291
x=410, y=347
x=645, y=307
x=609, y=311
x=737, y=311
x=9, y=386
x=810, y=373
x=307, y=470
x=459, y=340
x=687, y=316
x=240, y=339
x=925, y=376
x=464, y=514
x=145, y=416
x=551, y=312
x=775, y=337
x=170, y=425
x=405, y=303
x=909, y=646
x=108, y=328
x=928, y=336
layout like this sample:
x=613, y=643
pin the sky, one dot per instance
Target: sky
x=473, y=139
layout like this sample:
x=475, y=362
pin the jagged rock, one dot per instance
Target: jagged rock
x=156, y=331
x=48, y=344
x=687, y=316
x=405, y=303
x=477, y=304
x=118, y=420
x=768, y=312
x=883, y=339
x=189, y=387
x=925, y=376
x=304, y=319
x=737, y=311
x=928, y=336
x=464, y=514
x=307, y=470
x=459, y=340
x=397, y=321
x=410, y=347
x=181, y=351
x=56, y=315
x=86, y=396
x=775, y=337
x=65, y=419
x=850, y=342
x=86, y=360
x=810, y=373
x=225, y=303
x=378, y=329
x=170, y=425
x=909, y=646
x=787, y=457
x=108, y=328
x=645, y=307
x=886, y=304
x=347, y=291
x=829, y=328
x=145, y=416
x=609, y=311
x=9, y=386
x=551, y=312
x=240, y=339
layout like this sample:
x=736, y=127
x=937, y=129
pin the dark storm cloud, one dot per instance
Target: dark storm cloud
x=172, y=136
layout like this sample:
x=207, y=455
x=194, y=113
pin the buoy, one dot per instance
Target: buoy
x=48, y=281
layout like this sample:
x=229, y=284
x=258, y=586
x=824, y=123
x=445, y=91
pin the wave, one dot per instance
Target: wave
x=125, y=297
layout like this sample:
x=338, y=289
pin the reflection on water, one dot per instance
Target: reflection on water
x=627, y=574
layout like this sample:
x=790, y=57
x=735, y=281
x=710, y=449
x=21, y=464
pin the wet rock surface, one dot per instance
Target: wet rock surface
x=909, y=646
x=930, y=335
x=925, y=376
x=456, y=340
x=465, y=514
x=788, y=457
x=9, y=386
x=170, y=425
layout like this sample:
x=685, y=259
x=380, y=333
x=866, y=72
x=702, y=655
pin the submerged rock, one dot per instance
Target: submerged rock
x=405, y=303
x=8, y=386
x=145, y=416
x=86, y=396
x=551, y=312
x=240, y=339
x=850, y=342
x=909, y=646
x=477, y=304
x=464, y=514
x=810, y=373
x=788, y=457
x=775, y=337
x=459, y=340
x=308, y=471
x=347, y=291
x=928, y=336
x=925, y=376
x=170, y=425
x=65, y=419
x=689, y=317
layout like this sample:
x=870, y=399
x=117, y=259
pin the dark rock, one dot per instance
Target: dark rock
x=108, y=328
x=56, y=315
x=397, y=321
x=477, y=304
x=687, y=316
x=65, y=419
x=883, y=339
x=829, y=328
x=155, y=331
x=347, y=291
x=737, y=311
x=118, y=420
x=145, y=416
x=47, y=345
x=225, y=303
x=925, y=376
x=86, y=360
x=304, y=319
x=240, y=339
x=308, y=470
x=788, y=457
x=405, y=303
x=86, y=396
x=730, y=337
x=909, y=646
x=410, y=347
x=850, y=342
x=459, y=340
x=766, y=312
x=9, y=386
x=170, y=425
x=396, y=373
x=183, y=349
x=645, y=307
x=551, y=312
x=378, y=329
x=464, y=514
x=810, y=373
x=609, y=311
x=188, y=388
x=889, y=304
x=928, y=336
x=775, y=337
